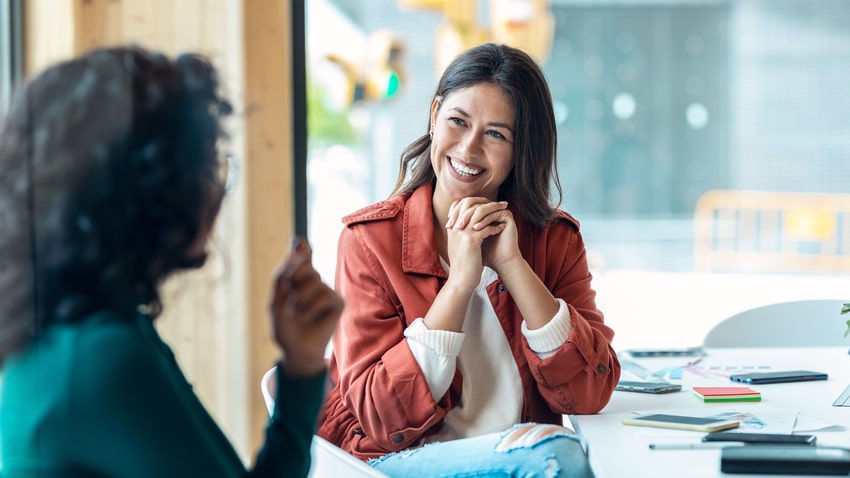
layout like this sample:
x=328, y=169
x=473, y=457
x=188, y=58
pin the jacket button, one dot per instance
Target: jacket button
x=501, y=287
x=601, y=368
x=398, y=438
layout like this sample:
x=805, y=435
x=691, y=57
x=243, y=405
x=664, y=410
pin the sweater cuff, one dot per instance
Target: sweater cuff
x=443, y=342
x=549, y=338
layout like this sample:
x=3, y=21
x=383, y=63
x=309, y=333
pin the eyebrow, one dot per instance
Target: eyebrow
x=501, y=125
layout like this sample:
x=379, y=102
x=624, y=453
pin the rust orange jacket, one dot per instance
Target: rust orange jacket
x=389, y=272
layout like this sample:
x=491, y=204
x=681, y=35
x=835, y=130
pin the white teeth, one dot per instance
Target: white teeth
x=464, y=170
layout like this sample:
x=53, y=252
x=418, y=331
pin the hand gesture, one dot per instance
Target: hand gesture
x=470, y=223
x=502, y=250
x=304, y=312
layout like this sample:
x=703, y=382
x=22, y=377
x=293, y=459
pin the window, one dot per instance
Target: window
x=658, y=103
x=10, y=51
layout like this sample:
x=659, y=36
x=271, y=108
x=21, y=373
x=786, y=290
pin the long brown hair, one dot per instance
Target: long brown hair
x=527, y=187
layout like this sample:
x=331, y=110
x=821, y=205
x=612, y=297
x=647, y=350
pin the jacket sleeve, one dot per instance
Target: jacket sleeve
x=289, y=433
x=580, y=376
x=378, y=377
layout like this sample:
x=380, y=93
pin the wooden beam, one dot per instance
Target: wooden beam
x=268, y=122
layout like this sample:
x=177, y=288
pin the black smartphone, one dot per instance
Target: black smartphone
x=778, y=377
x=648, y=387
x=761, y=438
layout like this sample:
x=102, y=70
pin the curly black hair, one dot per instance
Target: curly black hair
x=106, y=163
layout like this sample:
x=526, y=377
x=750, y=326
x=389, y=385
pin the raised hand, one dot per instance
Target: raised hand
x=304, y=312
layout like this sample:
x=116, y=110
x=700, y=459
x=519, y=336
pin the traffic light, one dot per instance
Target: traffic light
x=378, y=75
x=383, y=74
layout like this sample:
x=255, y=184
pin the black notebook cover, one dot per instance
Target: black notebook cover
x=785, y=460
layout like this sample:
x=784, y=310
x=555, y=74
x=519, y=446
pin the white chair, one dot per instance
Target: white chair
x=801, y=323
x=328, y=460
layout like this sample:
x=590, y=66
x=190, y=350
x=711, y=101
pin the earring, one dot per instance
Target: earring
x=431, y=132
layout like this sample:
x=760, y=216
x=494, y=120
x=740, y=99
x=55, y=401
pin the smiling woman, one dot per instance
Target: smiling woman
x=471, y=144
x=470, y=324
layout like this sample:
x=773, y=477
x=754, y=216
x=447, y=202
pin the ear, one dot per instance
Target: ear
x=435, y=108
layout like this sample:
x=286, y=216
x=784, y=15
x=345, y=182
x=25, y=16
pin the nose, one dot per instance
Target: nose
x=470, y=144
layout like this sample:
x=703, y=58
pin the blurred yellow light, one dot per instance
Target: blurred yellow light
x=809, y=224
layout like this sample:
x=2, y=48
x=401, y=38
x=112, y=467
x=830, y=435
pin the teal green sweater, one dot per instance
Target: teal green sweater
x=104, y=397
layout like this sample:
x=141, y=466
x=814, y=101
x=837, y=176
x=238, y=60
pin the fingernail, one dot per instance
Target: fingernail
x=299, y=244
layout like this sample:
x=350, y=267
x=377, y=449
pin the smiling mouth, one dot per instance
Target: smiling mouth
x=463, y=170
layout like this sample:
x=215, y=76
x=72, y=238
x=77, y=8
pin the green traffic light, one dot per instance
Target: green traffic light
x=393, y=84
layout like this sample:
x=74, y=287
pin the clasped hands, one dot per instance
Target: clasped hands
x=480, y=232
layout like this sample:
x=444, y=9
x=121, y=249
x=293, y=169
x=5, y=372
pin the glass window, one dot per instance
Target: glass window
x=10, y=50
x=732, y=112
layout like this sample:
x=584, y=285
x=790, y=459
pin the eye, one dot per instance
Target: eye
x=457, y=121
x=496, y=134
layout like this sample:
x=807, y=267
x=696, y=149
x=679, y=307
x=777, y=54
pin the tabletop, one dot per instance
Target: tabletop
x=618, y=451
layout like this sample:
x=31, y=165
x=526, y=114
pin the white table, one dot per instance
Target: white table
x=622, y=451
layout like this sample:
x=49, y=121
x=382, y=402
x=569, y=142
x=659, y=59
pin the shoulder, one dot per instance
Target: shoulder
x=114, y=351
x=110, y=332
x=563, y=218
x=560, y=233
x=87, y=363
x=380, y=211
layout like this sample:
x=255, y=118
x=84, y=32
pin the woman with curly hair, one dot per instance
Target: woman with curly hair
x=112, y=178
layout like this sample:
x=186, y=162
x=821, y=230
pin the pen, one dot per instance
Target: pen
x=686, y=446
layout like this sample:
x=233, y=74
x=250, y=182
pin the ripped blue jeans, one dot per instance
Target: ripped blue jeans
x=525, y=450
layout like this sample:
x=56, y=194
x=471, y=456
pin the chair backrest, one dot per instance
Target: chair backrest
x=268, y=385
x=772, y=231
x=802, y=323
x=328, y=460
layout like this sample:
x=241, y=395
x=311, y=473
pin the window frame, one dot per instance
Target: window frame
x=11, y=50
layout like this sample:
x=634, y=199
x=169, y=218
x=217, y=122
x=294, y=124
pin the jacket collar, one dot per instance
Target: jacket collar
x=418, y=248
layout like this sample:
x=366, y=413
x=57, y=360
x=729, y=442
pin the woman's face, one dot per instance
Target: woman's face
x=472, y=148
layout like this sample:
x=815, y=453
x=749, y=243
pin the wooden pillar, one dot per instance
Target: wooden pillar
x=268, y=89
